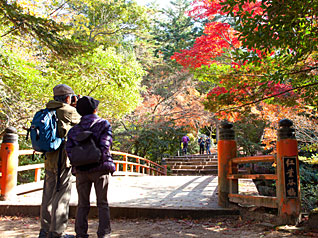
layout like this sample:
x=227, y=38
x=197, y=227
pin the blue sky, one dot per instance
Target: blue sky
x=162, y=3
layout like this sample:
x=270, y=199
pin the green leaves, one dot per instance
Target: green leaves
x=84, y=44
x=287, y=28
x=174, y=30
x=106, y=75
x=107, y=22
x=47, y=32
x=150, y=140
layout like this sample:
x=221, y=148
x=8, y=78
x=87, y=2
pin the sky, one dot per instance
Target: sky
x=162, y=3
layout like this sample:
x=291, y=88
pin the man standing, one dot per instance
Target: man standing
x=92, y=173
x=208, y=145
x=201, y=144
x=185, y=142
x=58, y=180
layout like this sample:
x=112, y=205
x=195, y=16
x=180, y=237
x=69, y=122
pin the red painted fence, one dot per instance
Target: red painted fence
x=287, y=199
x=126, y=164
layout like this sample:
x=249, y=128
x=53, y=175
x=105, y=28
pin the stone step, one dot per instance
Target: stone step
x=173, y=163
x=206, y=164
x=190, y=160
x=192, y=163
x=195, y=167
x=194, y=171
x=193, y=156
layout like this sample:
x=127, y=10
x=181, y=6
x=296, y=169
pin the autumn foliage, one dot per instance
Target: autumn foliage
x=244, y=82
x=219, y=37
x=250, y=77
x=183, y=105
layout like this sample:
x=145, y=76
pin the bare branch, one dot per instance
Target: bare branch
x=57, y=9
x=268, y=97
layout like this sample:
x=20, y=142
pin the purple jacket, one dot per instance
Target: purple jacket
x=185, y=139
x=102, y=135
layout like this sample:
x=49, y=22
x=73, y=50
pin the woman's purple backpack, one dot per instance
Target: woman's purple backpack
x=85, y=150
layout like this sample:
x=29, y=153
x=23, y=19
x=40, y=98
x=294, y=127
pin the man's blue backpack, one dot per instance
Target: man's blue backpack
x=43, y=131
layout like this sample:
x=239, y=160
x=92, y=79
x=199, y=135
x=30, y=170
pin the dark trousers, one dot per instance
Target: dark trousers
x=201, y=149
x=84, y=183
x=185, y=148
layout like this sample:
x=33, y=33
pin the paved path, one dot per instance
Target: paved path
x=152, y=192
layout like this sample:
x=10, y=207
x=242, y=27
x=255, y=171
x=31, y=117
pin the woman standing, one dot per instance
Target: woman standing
x=97, y=173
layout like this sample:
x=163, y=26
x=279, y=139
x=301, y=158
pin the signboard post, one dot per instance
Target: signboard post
x=288, y=185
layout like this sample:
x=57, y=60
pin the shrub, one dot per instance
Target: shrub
x=308, y=169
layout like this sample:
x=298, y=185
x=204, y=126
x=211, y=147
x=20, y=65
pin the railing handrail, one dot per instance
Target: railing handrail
x=135, y=164
x=41, y=165
x=253, y=159
x=147, y=167
x=30, y=167
x=28, y=152
x=287, y=198
x=259, y=200
x=137, y=157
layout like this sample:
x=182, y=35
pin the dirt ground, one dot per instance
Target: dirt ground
x=250, y=224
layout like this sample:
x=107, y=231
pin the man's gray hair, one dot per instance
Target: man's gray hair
x=62, y=98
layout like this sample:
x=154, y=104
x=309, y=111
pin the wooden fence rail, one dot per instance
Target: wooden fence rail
x=287, y=199
x=137, y=165
x=233, y=176
x=126, y=164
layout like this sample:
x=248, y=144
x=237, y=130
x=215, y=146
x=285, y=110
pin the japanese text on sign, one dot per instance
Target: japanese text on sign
x=290, y=173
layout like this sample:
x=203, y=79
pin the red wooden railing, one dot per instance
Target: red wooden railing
x=133, y=164
x=287, y=199
x=126, y=164
x=233, y=177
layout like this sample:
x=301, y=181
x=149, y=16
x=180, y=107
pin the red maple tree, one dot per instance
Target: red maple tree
x=246, y=86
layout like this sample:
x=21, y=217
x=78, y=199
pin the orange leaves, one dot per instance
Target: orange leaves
x=184, y=107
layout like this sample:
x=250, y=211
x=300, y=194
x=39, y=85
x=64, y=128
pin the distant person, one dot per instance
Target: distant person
x=201, y=144
x=185, y=142
x=96, y=173
x=213, y=142
x=208, y=145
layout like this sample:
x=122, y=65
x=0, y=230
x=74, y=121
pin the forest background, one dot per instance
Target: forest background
x=164, y=73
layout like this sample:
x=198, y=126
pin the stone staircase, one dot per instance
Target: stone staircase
x=192, y=165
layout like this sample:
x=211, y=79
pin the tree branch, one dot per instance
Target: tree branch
x=58, y=8
x=268, y=97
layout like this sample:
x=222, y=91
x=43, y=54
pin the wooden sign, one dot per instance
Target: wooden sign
x=291, y=175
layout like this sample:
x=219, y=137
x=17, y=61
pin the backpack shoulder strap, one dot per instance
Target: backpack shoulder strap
x=91, y=126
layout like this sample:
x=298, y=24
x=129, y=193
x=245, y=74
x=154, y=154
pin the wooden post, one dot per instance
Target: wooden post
x=288, y=182
x=137, y=166
x=226, y=151
x=148, y=168
x=9, y=154
x=125, y=164
x=37, y=175
x=116, y=166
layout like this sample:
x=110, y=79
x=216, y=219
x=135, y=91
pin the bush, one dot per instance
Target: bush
x=28, y=176
x=308, y=169
x=149, y=140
